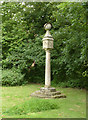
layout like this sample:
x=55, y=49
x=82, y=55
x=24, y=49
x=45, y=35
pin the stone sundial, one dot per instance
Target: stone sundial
x=47, y=91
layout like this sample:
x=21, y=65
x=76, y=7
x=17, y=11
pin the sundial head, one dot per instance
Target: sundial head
x=47, y=26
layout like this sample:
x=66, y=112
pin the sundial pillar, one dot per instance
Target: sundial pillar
x=47, y=91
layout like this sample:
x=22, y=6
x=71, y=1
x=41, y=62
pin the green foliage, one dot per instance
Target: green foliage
x=12, y=77
x=72, y=83
x=70, y=38
x=23, y=31
x=33, y=105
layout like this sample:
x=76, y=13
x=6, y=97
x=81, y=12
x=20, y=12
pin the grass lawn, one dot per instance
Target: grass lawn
x=17, y=103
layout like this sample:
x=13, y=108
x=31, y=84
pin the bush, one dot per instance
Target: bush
x=12, y=77
x=73, y=83
x=33, y=105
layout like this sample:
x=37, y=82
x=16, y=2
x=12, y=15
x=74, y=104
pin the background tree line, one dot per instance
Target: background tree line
x=22, y=33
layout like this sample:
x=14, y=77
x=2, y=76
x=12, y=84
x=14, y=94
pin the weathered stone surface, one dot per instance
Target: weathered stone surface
x=59, y=96
x=48, y=93
x=50, y=89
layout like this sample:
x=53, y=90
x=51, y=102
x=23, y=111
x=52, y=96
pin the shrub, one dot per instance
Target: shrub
x=73, y=83
x=12, y=77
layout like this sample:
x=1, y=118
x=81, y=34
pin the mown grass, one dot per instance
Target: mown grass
x=17, y=103
x=32, y=105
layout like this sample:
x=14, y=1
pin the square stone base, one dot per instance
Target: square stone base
x=48, y=93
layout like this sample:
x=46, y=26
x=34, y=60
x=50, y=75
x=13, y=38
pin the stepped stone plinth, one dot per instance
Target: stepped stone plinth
x=48, y=93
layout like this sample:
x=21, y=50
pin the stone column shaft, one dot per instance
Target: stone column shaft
x=47, y=70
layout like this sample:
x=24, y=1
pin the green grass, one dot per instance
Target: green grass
x=17, y=103
x=32, y=105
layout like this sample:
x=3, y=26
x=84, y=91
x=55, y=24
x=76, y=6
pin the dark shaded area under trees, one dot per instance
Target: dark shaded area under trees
x=22, y=33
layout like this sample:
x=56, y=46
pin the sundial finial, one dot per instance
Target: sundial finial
x=47, y=26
